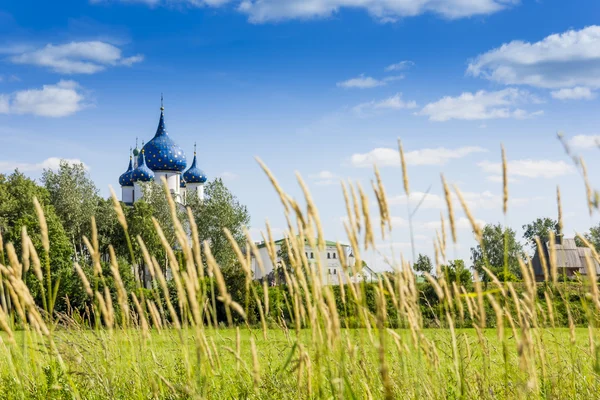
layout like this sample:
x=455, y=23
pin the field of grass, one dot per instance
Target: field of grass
x=165, y=364
x=191, y=338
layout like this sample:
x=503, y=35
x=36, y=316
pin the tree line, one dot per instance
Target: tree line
x=70, y=201
x=500, y=250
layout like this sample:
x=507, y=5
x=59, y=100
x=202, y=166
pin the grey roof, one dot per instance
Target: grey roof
x=568, y=256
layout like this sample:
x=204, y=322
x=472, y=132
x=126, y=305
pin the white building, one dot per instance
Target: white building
x=161, y=157
x=331, y=266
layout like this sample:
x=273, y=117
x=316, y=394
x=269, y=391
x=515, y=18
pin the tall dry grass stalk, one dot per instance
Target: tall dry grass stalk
x=171, y=338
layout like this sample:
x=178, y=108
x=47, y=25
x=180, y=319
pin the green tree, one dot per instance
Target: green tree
x=16, y=211
x=541, y=228
x=593, y=236
x=456, y=271
x=423, y=264
x=499, y=251
x=75, y=199
x=220, y=209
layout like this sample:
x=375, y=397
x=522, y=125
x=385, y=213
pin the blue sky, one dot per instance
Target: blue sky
x=322, y=87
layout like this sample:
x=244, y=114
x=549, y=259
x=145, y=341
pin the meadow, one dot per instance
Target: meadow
x=165, y=364
x=193, y=337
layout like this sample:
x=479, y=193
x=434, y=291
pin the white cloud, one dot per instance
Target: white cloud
x=76, y=57
x=228, y=176
x=4, y=104
x=558, y=61
x=576, y=93
x=383, y=156
x=49, y=163
x=60, y=100
x=529, y=168
x=475, y=200
x=325, y=178
x=500, y=179
x=460, y=224
x=402, y=65
x=579, y=141
x=361, y=82
x=385, y=10
x=394, y=102
x=481, y=105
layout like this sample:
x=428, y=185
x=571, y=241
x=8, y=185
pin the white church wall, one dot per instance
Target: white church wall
x=127, y=194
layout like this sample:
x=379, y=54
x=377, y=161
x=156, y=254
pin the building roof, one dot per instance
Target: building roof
x=281, y=241
x=142, y=173
x=194, y=174
x=126, y=179
x=162, y=153
x=568, y=256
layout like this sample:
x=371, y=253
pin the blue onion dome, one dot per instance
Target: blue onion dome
x=194, y=174
x=126, y=179
x=182, y=183
x=162, y=154
x=142, y=173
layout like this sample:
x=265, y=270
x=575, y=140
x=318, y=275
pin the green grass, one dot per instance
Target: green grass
x=122, y=364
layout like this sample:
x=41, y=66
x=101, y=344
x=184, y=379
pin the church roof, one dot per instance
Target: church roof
x=162, y=153
x=142, y=173
x=125, y=179
x=194, y=174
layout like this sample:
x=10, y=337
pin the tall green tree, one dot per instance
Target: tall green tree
x=220, y=209
x=423, y=264
x=16, y=211
x=74, y=197
x=541, y=228
x=593, y=236
x=499, y=251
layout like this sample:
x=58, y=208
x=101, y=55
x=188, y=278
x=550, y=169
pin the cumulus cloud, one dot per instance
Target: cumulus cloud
x=460, y=223
x=562, y=60
x=361, y=82
x=481, y=105
x=475, y=200
x=394, y=102
x=75, y=57
x=402, y=65
x=325, y=178
x=49, y=163
x=576, y=93
x=384, y=10
x=367, y=82
x=261, y=11
x=384, y=156
x=529, y=168
x=60, y=100
x=578, y=141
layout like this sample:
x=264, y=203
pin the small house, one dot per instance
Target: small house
x=570, y=259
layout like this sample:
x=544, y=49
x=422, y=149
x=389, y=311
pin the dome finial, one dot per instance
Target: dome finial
x=130, y=153
x=194, y=149
x=136, y=142
x=162, y=107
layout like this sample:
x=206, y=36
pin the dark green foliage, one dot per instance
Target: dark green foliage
x=499, y=251
x=541, y=228
x=17, y=211
x=220, y=209
x=593, y=236
x=423, y=264
x=456, y=272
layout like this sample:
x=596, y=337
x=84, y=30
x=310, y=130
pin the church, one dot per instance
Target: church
x=161, y=157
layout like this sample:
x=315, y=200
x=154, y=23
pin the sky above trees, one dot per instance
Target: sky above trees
x=322, y=87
